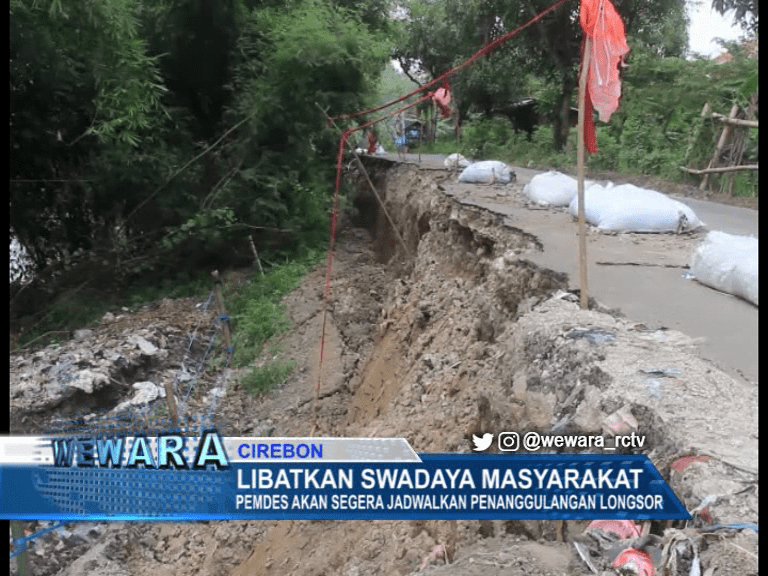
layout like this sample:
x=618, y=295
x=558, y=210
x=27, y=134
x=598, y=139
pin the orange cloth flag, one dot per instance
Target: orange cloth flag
x=602, y=23
x=443, y=99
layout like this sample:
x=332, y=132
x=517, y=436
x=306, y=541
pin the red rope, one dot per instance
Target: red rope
x=480, y=53
x=334, y=215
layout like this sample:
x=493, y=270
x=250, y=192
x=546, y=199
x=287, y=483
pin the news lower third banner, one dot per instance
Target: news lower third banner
x=178, y=478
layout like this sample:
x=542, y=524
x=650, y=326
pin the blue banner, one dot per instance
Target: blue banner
x=439, y=486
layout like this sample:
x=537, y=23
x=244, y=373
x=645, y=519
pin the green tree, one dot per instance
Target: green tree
x=746, y=12
x=80, y=81
x=444, y=34
x=291, y=66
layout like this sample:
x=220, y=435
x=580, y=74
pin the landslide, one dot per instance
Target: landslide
x=436, y=331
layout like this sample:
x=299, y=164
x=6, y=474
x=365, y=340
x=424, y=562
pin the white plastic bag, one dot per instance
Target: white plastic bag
x=727, y=263
x=455, y=161
x=487, y=172
x=553, y=188
x=627, y=208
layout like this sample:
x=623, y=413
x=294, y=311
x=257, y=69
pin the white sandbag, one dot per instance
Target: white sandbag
x=380, y=150
x=455, y=161
x=487, y=172
x=627, y=208
x=727, y=263
x=553, y=188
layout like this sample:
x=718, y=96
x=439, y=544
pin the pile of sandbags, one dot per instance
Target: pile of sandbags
x=628, y=208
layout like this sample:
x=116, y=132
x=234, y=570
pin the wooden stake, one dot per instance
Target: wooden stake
x=256, y=255
x=580, y=162
x=220, y=301
x=170, y=399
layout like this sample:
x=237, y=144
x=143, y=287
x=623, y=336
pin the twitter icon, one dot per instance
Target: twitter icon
x=482, y=443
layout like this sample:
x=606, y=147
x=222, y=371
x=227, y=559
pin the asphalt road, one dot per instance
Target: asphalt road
x=641, y=274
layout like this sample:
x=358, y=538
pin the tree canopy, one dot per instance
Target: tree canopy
x=442, y=34
x=745, y=11
x=149, y=130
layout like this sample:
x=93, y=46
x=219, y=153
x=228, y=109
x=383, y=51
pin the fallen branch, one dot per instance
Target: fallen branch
x=724, y=169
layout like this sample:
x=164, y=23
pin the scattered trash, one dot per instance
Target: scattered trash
x=146, y=392
x=681, y=553
x=145, y=346
x=487, y=172
x=633, y=561
x=622, y=528
x=594, y=337
x=620, y=422
x=663, y=372
x=83, y=334
x=684, y=461
x=728, y=263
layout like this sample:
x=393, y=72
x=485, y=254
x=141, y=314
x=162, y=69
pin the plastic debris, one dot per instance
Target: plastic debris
x=620, y=422
x=622, y=528
x=594, y=337
x=635, y=561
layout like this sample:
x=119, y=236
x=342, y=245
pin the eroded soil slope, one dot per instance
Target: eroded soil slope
x=443, y=330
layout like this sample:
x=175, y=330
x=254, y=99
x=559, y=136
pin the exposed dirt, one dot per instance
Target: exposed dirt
x=455, y=332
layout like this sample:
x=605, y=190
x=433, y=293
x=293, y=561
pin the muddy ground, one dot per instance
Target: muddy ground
x=437, y=331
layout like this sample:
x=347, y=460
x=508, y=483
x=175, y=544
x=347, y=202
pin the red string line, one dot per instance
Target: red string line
x=482, y=52
x=334, y=215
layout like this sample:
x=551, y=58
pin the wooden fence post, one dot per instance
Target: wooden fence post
x=726, y=133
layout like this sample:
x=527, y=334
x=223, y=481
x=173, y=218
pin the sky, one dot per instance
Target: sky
x=707, y=24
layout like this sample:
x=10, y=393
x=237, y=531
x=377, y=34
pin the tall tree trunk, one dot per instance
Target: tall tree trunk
x=562, y=124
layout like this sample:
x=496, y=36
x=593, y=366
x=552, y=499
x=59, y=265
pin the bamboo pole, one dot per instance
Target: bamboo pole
x=370, y=183
x=734, y=121
x=720, y=170
x=580, y=162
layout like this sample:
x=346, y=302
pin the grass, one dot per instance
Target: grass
x=259, y=316
x=264, y=378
